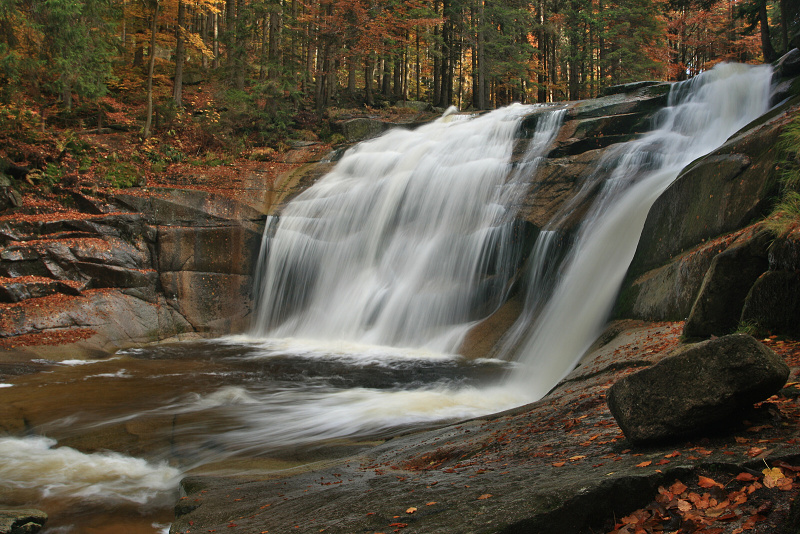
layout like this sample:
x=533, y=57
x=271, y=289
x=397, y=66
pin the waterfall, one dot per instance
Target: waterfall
x=551, y=336
x=408, y=240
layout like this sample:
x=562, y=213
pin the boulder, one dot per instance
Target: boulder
x=211, y=302
x=21, y=521
x=773, y=303
x=362, y=128
x=694, y=387
x=718, y=306
x=789, y=64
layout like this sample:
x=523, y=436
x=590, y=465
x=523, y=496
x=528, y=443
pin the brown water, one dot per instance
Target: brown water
x=101, y=445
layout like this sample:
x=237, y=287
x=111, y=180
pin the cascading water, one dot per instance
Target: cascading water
x=702, y=114
x=405, y=238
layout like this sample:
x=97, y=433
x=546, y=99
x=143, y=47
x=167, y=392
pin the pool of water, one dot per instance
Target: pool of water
x=101, y=445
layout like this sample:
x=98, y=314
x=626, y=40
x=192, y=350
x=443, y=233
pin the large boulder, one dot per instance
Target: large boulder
x=694, y=387
x=718, y=306
x=773, y=303
x=714, y=195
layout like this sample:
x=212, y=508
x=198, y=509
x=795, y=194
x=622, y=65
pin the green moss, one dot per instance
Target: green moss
x=123, y=175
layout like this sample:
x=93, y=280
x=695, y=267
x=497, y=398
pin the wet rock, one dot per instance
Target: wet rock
x=27, y=521
x=214, y=302
x=784, y=253
x=718, y=306
x=773, y=303
x=667, y=293
x=717, y=194
x=694, y=387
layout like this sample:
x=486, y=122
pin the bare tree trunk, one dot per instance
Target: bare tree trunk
x=215, y=45
x=149, y=113
x=369, y=66
x=352, y=70
x=180, y=55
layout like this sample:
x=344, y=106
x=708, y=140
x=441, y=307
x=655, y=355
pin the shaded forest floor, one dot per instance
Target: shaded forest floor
x=210, y=144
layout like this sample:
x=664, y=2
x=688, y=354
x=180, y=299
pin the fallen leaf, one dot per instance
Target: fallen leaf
x=772, y=476
x=411, y=510
x=684, y=506
x=705, y=482
x=746, y=477
x=672, y=454
x=677, y=488
x=559, y=464
x=484, y=496
x=644, y=464
x=576, y=458
x=430, y=503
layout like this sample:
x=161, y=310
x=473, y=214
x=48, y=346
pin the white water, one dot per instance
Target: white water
x=37, y=465
x=703, y=113
x=395, y=245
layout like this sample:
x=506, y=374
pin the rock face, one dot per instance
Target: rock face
x=21, y=521
x=696, y=386
x=180, y=265
x=718, y=307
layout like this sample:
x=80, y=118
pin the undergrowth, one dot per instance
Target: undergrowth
x=786, y=214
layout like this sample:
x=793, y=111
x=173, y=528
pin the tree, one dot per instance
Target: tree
x=77, y=46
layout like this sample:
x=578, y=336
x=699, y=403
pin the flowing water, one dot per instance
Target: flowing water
x=371, y=280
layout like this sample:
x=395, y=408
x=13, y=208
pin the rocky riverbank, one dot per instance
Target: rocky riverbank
x=558, y=465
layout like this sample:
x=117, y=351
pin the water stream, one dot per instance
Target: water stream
x=371, y=280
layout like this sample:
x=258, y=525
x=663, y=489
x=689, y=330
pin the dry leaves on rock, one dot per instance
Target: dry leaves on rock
x=714, y=507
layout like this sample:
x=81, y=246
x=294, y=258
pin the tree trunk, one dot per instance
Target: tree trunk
x=481, y=100
x=766, y=42
x=215, y=45
x=352, y=70
x=149, y=113
x=180, y=56
x=275, y=50
x=369, y=99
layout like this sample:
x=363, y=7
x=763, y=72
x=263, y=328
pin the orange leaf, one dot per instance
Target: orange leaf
x=484, y=496
x=746, y=477
x=559, y=464
x=677, y=488
x=576, y=458
x=411, y=510
x=672, y=454
x=705, y=482
x=684, y=506
x=430, y=503
x=644, y=464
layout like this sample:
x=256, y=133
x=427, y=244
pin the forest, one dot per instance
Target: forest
x=274, y=62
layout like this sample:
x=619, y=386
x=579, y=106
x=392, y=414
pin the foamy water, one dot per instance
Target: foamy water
x=38, y=464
